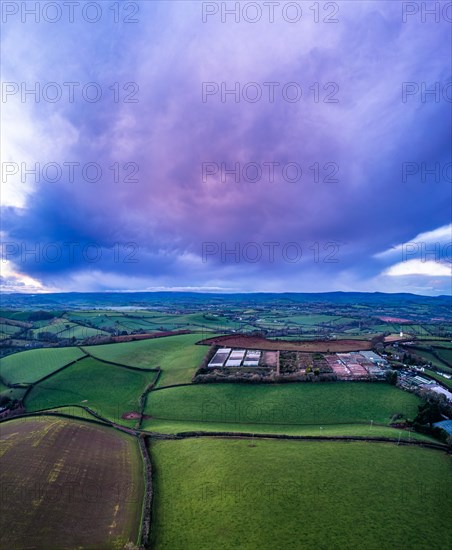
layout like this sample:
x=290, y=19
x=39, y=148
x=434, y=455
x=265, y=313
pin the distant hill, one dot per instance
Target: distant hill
x=153, y=299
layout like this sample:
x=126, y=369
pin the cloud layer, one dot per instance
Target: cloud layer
x=166, y=213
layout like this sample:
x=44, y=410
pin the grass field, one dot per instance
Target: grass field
x=32, y=365
x=75, y=412
x=177, y=356
x=193, y=321
x=333, y=430
x=68, y=484
x=15, y=315
x=8, y=330
x=291, y=404
x=152, y=320
x=434, y=360
x=63, y=328
x=12, y=393
x=80, y=333
x=53, y=328
x=445, y=354
x=229, y=494
x=109, y=390
x=311, y=320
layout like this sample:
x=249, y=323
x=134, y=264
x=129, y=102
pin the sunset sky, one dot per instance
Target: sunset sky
x=343, y=99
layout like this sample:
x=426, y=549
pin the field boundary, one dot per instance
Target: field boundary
x=428, y=349
x=143, y=336
x=268, y=382
x=116, y=364
x=244, y=435
x=17, y=385
x=30, y=388
x=48, y=412
x=146, y=516
x=144, y=397
x=351, y=423
x=33, y=384
x=174, y=386
x=229, y=435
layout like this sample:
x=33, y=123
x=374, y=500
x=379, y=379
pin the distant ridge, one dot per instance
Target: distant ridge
x=149, y=299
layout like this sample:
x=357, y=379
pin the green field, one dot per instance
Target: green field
x=415, y=329
x=433, y=360
x=11, y=393
x=109, y=390
x=333, y=430
x=75, y=411
x=290, y=404
x=30, y=366
x=8, y=330
x=54, y=326
x=66, y=329
x=113, y=321
x=15, y=315
x=177, y=356
x=193, y=321
x=240, y=488
x=266, y=494
x=444, y=344
x=80, y=333
x=445, y=354
x=311, y=320
x=152, y=321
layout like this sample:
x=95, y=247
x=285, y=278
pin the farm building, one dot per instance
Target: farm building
x=220, y=357
x=439, y=389
x=235, y=358
x=374, y=357
x=445, y=425
x=422, y=381
x=252, y=358
x=353, y=365
x=233, y=363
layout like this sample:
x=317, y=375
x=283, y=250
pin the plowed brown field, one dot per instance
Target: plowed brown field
x=256, y=342
x=68, y=484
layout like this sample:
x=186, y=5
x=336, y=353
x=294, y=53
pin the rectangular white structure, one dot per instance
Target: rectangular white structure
x=220, y=357
x=233, y=363
x=250, y=363
x=237, y=354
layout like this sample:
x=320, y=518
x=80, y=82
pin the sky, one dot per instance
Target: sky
x=166, y=145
